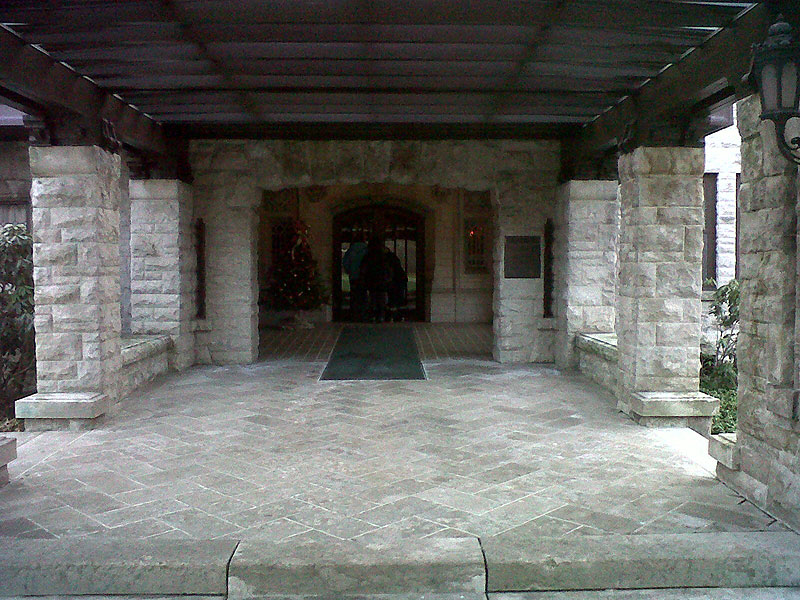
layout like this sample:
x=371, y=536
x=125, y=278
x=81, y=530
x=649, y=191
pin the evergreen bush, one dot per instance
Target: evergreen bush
x=17, y=347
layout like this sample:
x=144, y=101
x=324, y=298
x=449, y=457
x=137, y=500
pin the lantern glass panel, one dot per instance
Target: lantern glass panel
x=789, y=85
x=769, y=87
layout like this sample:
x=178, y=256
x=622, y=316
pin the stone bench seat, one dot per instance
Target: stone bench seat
x=144, y=357
x=598, y=357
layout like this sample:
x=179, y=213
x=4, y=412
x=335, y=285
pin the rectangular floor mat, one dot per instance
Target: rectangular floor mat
x=375, y=352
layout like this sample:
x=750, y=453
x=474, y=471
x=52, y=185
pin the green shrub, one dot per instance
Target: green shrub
x=17, y=348
x=718, y=371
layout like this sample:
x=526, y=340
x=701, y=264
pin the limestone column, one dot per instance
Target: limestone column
x=764, y=465
x=587, y=221
x=658, y=298
x=229, y=204
x=75, y=198
x=163, y=264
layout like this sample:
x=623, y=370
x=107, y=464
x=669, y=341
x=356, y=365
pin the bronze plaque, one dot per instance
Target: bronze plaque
x=523, y=257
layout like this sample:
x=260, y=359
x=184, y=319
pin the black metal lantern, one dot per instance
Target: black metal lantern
x=776, y=72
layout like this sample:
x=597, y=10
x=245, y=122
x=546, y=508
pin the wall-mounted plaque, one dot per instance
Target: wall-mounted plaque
x=523, y=257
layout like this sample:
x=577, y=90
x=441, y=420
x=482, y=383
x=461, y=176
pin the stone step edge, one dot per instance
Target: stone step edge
x=711, y=560
x=455, y=566
x=86, y=567
x=239, y=570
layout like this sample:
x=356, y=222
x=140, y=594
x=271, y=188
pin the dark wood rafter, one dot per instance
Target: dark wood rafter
x=417, y=68
x=672, y=108
x=550, y=16
x=186, y=29
x=40, y=84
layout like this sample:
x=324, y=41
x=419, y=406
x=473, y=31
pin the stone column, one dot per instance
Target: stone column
x=658, y=301
x=125, y=248
x=163, y=265
x=229, y=206
x=765, y=463
x=587, y=227
x=75, y=196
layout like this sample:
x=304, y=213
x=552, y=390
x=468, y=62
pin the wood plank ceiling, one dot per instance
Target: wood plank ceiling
x=459, y=63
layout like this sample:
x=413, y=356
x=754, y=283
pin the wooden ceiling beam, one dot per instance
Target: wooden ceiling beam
x=662, y=110
x=48, y=85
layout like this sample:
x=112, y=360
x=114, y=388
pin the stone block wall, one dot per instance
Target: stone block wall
x=228, y=200
x=723, y=157
x=76, y=194
x=587, y=228
x=768, y=436
x=660, y=251
x=520, y=177
x=163, y=264
x=125, y=248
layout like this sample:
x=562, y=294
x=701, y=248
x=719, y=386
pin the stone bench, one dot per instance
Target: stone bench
x=597, y=358
x=8, y=452
x=143, y=359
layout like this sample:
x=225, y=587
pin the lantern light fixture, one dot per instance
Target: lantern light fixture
x=776, y=75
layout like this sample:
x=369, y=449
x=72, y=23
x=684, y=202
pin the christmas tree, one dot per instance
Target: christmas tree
x=294, y=283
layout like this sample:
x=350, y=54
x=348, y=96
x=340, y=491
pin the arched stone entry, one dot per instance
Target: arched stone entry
x=402, y=231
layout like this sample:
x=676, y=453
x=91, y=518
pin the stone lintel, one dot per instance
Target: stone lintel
x=76, y=410
x=723, y=448
x=432, y=566
x=158, y=188
x=8, y=452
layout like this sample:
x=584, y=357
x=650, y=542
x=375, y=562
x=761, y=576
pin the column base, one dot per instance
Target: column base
x=74, y=411
x=671, y=409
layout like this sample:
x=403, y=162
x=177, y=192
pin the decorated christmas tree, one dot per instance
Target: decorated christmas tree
x=294, y=283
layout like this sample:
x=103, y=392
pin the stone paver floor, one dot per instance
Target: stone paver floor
x=270, y=452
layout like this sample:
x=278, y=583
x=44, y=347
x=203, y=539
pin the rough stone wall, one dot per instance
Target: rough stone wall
x=723, y=157
x=125, y=248
x=768, y=436
x=75, y=194
x=15, y=181
x=587, y=223
x=227, y=198
x=660, y=252
x=520, y=176
x=163, y=264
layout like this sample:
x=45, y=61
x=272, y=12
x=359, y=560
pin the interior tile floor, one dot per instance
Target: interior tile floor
x=268, y=451
x=435, y=341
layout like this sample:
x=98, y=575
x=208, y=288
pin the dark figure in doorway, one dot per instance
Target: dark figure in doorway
x=398, y=285
x=376, y=277
x=351, y=263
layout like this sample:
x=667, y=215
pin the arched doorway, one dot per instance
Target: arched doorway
x=402, y=232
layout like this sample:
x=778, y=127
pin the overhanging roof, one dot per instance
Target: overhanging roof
x=534, y=67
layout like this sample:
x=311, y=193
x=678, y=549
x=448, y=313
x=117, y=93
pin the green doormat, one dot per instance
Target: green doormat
x=374, y=352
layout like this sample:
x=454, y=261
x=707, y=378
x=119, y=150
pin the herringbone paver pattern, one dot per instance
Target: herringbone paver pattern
x=268, y=451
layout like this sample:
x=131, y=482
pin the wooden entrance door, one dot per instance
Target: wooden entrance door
x=402, y=231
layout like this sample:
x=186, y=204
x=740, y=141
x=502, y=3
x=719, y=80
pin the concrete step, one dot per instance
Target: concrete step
x=434, y=569
x=651, y=594
x=90, y=567
x=693, y=560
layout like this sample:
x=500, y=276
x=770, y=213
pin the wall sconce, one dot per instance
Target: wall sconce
x=776, y=75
